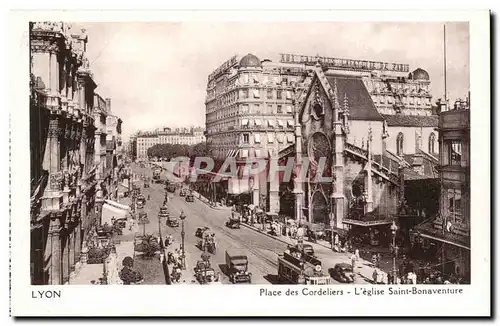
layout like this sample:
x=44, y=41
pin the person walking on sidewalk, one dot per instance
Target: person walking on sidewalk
x=353, y=261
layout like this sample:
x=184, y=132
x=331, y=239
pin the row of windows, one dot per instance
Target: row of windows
x=268, y=138
x=270, y=94
x=247, y=78
x=431, y=147
x=256, y=108
x=407, y=100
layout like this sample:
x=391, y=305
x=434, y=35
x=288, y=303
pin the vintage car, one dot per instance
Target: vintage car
x=342, y=272
x=190, y=198
x=199, y=231
x=172, y=221
x=233, y=223
x=205, y=274
x=237, y=267
x=183, y=192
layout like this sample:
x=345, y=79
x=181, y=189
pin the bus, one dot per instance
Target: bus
x=290, y=270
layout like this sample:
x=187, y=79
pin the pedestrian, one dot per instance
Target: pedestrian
x=390, y=278
x=375, y=276
x=356, y=253
x=353, y=261
x=379, y=259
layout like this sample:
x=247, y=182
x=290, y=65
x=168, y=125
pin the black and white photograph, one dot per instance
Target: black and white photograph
x=329, y=156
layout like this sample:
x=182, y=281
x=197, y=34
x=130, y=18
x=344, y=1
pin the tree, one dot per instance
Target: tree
x=149, y=246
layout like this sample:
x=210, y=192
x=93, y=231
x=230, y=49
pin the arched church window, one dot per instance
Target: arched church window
x=399, y=144
x=432, y=142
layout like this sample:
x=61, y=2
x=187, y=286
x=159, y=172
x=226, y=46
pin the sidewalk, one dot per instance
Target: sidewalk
x=364, y=268
x=204, y=200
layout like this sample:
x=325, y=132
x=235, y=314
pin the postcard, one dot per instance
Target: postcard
x=250, y=163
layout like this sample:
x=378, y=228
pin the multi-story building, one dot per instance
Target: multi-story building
x=62, y=136
x=450, y=229
x=249, y=107
x=180, y=136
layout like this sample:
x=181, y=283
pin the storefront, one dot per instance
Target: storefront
x=369, y=232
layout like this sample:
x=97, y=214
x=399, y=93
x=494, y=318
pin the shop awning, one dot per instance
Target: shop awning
x=109, y=211
x=427, y=230
x=366, y=223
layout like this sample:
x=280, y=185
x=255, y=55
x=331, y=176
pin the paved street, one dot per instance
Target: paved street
x=261, y=249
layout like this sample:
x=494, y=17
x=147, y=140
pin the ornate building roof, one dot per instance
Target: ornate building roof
x=360, y=103
x=401, y=120
x=419, y=74
x=250, y=61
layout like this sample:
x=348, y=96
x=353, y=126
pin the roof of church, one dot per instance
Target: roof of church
x=361, y=106
x=411, y=120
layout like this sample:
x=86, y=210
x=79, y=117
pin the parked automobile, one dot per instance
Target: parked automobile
x=342, y=272
x=183, y=192
x=190, y=198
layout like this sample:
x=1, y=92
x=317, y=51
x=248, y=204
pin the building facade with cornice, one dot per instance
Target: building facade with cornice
x=70, y=159
x=62, y=137
x=450, y=230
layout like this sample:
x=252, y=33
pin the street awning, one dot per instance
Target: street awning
x=429, y=231
x=109, y=211
x=366, y=223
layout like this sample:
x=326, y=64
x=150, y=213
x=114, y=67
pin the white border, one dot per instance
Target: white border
x=245, y=300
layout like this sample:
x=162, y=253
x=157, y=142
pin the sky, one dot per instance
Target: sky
x=156, y=73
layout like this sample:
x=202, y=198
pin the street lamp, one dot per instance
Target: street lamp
x=183, y=254
x=394, y=228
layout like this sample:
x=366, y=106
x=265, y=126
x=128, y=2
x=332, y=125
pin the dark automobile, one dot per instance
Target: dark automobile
x=233, y=223
x=171, y=187
x=190, y=198
x=183, y=192
x=342, y=272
